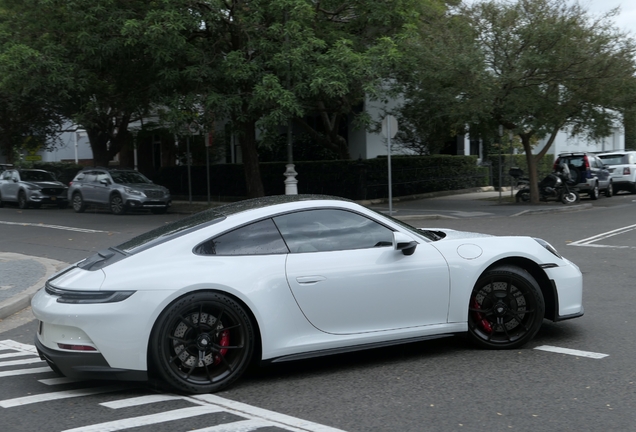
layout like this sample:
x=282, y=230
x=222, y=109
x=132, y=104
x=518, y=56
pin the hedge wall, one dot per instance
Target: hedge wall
x=361, y=179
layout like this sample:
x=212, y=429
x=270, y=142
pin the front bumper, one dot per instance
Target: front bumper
x=83, y=365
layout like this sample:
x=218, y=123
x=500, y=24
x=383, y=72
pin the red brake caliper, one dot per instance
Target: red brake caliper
x=224, y=340
x=480, y=318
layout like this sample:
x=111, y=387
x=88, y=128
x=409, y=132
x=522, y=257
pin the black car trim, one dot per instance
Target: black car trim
x=86, y=365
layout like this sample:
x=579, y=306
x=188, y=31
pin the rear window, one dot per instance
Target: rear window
x=575, y=161
x=615, y=159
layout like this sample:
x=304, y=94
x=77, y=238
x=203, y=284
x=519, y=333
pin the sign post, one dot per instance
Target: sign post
x=389, y=130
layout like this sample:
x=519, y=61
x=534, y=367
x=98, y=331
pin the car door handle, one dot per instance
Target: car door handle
x=310, y=280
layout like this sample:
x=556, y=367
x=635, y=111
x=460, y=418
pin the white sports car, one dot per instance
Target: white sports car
x=290, y=277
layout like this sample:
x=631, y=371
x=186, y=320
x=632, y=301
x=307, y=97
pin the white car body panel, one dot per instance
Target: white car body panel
x=301, y=303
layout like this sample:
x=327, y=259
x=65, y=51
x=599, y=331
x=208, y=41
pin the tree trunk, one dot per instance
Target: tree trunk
x=532, y=168
x=247, y=140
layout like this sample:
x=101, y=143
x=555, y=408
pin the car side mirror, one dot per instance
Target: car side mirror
x=404, y=243
x=104, y=182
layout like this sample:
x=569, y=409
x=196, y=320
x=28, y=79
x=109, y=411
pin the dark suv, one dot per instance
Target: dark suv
x=591, y=175
x=119, y=190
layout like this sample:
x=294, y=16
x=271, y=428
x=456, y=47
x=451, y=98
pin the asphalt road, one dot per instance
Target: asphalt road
x=440, y=385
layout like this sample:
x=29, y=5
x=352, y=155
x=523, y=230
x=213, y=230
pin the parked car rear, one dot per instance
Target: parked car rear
x=622, y=167
x=591, y=175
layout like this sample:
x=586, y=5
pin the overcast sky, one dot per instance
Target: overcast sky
x=627, y=18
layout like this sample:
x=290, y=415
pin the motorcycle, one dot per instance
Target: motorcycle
x=558, y=185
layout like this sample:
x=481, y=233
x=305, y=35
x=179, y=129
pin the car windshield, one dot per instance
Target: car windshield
x=617, y=159
x=128, y=177
x=36, y=176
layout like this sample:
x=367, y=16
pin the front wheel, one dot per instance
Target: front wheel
x=506, y=308
x=202, y=342
x=22, y=201
x=117, y=205
x=570, y=197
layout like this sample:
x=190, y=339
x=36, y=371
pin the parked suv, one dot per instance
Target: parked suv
x=31, y=188
x=119, y=190
x=591, y=175
x=622, y=167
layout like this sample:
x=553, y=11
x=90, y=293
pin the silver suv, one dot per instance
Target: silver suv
x=31, y=188
x=119, y=190
x=622, y=166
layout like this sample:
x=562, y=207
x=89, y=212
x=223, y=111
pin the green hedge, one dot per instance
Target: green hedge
x=355, y=179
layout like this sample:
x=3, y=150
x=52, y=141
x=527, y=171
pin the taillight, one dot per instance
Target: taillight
x=587, y=162
x=626, y=171
x=70, y=183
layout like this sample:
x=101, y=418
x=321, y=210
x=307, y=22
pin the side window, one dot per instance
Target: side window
x=102, y=176
x=260, y=238
x=331, y=230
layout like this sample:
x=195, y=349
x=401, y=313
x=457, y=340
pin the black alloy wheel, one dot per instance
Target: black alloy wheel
x=506, y=308
x=22, y=200
x=202, y=342
x=78, y=203
x=117, y=205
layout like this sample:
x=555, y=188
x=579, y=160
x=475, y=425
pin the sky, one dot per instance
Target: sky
x=625, y=21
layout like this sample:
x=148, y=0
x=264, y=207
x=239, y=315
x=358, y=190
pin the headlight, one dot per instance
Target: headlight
x=34, y=187
x=87, y=297
x=549, y=247
x=133, y=191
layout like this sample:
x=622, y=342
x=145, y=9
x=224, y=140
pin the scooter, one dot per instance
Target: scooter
x=557, y=185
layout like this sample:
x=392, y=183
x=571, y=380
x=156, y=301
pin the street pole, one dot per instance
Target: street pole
x=388, y=127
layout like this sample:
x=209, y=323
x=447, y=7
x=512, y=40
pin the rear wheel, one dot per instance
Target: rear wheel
x=22, y=200
x=595, y=193
x=78, y=203
x=506, y=308
x=117, y=205
x=523, y=195
x=202, y=342
x=610, y=190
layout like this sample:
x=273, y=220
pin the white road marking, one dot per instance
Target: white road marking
x=146, y=420
x=142, y=400
x=25, y=371
x=27, y=400
x=15, y=354
x=588, y=241
x=573, y=352
x=237, y=426
x=11, y=344
x=279, y=420
x=20, y=362
x=60, y=227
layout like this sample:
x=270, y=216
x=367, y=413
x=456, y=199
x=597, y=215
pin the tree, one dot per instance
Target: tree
x=99, y=81
x=549, y=66
x=262, y=63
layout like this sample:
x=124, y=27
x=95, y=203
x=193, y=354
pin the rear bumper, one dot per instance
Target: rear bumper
x=83, y=365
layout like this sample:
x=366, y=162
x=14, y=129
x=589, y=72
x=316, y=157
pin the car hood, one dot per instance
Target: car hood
x=145, y=186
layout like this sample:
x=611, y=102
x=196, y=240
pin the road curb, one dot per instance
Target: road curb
x=554, y=210
x=22, y=300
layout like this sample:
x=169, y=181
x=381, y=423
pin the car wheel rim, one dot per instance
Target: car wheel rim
x=502, y=311
x=116, y=205
x=205, y=346
x=77, y=202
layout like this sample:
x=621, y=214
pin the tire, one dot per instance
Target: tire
x=117, y=205
x=610, y=190
x=523, y=195
x=506, y=308
x=78, y=203
x=595, y=192
x=22, y=201
x=570, y=197
x=1, y=203
x=159, y=210
x=224, y=337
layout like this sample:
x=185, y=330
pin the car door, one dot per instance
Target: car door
x=11, y=185
x=87, y=187
x=599, y=170
x=347, y=277
x=101, y=188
